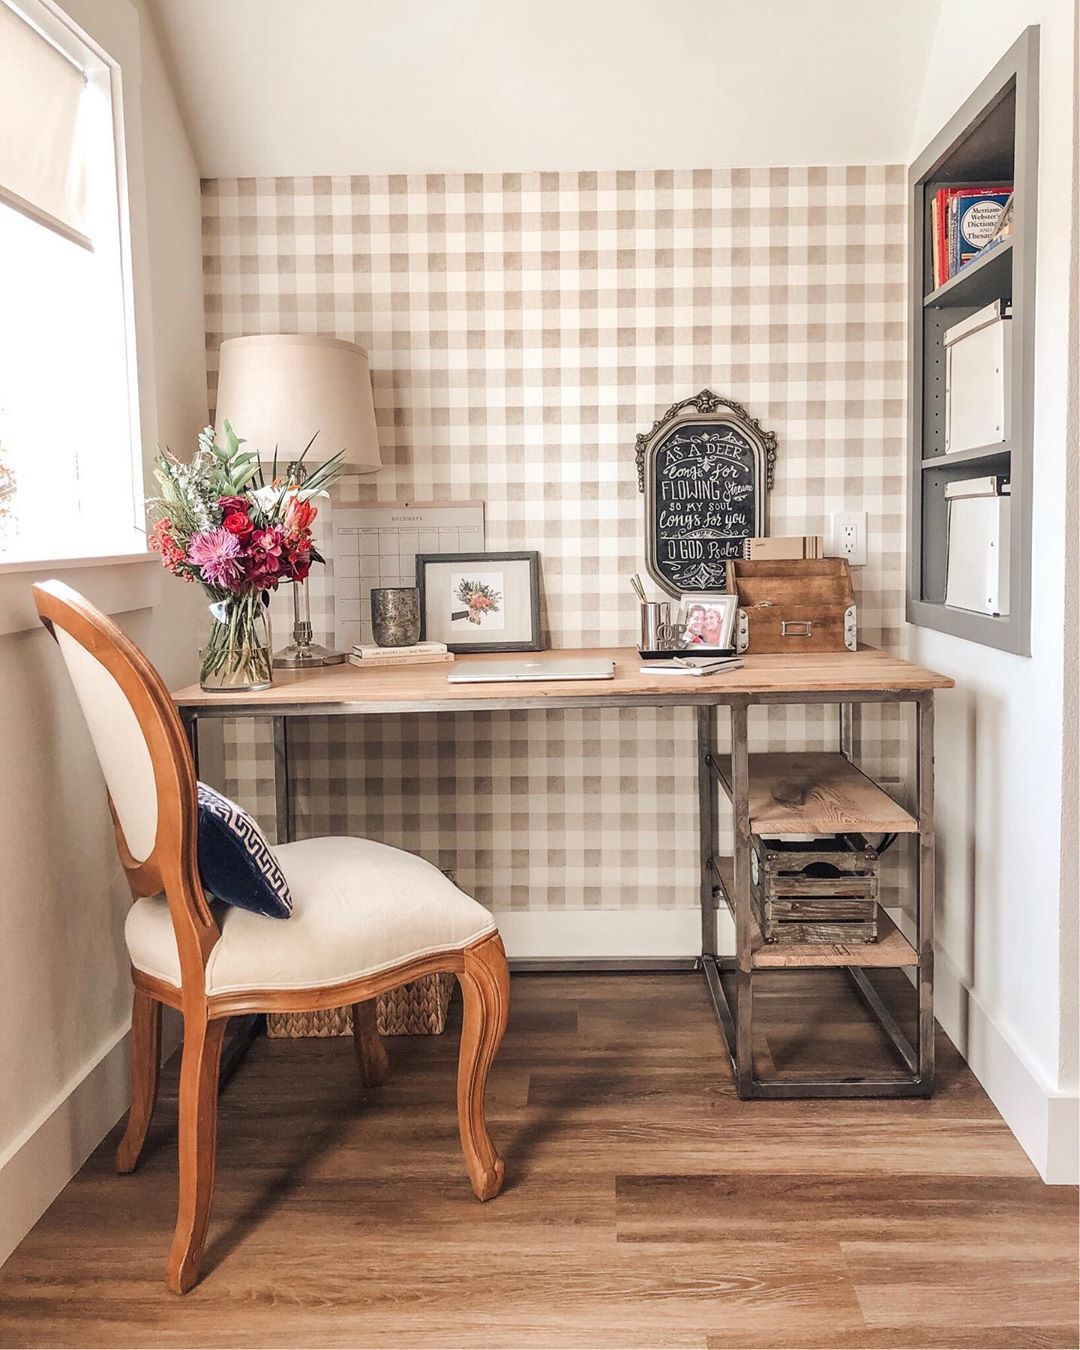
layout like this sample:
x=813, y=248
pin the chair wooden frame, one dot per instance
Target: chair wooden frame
x=172, y=868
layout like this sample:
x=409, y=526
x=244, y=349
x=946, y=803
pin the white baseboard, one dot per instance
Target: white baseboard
x=41, y=1162
x=1045, y=1122
x=607, y=934
x=47, y=1154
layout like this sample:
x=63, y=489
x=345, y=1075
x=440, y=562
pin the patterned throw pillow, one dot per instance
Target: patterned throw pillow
x=235, y=861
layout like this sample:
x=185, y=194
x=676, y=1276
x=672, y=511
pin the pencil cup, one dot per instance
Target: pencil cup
x=658, y=632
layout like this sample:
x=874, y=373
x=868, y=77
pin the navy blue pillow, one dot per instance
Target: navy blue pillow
x=235, y=861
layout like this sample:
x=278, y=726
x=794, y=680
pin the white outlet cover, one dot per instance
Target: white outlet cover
x=847, y=537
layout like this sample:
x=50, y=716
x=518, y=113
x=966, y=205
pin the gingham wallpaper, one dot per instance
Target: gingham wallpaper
x=522, y=329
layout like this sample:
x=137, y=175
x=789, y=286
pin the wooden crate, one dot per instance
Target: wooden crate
x=820, y=890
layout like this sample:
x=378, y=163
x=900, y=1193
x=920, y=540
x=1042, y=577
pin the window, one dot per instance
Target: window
x=70, y=466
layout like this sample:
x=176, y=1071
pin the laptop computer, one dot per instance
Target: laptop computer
x=555, y=668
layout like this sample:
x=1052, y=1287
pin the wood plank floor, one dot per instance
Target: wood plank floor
x=645, y=1205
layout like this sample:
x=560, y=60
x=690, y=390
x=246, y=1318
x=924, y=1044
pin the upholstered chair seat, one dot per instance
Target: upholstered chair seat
x=359, y=908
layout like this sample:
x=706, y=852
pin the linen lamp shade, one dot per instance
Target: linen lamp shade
x=277, y=391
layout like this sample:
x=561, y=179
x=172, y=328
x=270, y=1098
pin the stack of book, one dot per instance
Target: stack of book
x=964, y=221
x=370, y=657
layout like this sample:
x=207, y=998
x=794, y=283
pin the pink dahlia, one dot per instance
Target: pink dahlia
x=216, y=553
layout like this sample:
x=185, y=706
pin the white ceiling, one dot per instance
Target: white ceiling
x=278, y=87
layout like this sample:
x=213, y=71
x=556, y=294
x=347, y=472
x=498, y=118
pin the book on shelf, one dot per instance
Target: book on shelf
x=963, y=221
x=370, y=650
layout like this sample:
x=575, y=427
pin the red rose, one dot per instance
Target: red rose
x=239, y=524
x=229, y=505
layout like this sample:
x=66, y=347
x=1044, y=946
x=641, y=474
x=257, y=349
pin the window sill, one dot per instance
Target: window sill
x=116, y=584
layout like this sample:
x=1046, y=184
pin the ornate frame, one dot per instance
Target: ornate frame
x=705, y=407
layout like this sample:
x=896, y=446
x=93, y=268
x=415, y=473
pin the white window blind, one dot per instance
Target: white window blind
x=70, y=458
x=42, y=151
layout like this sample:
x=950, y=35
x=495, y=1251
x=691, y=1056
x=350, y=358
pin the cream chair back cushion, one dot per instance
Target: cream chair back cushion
x=121, y=747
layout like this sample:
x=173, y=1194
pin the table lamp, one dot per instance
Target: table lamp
x=278, y=391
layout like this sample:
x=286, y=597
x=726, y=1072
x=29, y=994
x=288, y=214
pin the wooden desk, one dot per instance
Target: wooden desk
x=844, y=799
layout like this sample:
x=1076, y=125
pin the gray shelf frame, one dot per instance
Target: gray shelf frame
x=1016, y=78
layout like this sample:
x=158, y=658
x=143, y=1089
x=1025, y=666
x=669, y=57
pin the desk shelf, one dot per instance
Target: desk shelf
x=890, y=951
x=815, y=793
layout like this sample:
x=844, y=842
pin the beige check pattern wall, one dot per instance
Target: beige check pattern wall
x=523, y=328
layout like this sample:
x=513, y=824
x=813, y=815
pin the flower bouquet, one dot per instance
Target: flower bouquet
x=220, y=523
x=478, y=598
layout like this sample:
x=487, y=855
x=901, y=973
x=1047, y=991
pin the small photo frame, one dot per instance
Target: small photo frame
x=480, y=602
x=707, y=622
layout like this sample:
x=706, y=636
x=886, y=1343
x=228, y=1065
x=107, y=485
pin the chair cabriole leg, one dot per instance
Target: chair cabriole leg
x=370, y=1051
x=199, y=1069
x=145, y=1065
x=485, y=992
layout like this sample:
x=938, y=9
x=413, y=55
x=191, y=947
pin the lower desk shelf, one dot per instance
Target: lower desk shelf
x=818, y=792
x=891, y=950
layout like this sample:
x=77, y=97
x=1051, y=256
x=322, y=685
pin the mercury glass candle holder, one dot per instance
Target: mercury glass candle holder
x=395, y=616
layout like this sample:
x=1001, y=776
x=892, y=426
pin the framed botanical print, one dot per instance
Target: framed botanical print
x=480, y=602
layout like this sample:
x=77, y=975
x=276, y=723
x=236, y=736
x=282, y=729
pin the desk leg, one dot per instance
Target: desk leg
x=744, y=990
x=707, y=824
x=924, y=884
x=191, y=726
x=849, y=729
x=282, y=796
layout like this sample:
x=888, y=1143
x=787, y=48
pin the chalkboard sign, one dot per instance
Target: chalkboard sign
x=705, y=469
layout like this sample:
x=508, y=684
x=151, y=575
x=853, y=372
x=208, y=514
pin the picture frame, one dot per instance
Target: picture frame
x=707, y=621
x=480, y=602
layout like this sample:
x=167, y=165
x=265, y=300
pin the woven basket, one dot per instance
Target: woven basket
x=416, y=1009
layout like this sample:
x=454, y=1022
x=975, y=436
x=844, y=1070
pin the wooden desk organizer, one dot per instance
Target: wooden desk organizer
x=793, y=605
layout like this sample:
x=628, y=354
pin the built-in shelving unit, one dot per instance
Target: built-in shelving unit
x=993, y=137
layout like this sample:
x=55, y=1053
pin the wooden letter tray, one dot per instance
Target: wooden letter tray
x=793, y=605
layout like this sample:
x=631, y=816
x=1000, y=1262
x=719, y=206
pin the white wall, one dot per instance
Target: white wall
x=65, y=989
x=1004, y=922
x=283, y=87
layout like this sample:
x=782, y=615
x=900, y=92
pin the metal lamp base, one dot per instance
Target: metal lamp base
x=297, y=656
x=302, y=653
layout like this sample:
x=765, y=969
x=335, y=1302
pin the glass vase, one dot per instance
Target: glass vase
x=239, y=653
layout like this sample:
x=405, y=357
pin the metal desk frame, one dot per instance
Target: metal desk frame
x=734, y=1013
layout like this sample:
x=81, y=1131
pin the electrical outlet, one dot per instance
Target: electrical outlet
x=847, y=537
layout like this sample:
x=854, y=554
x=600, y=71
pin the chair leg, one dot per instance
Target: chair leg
x=370, y=1051
x=198, y=1146
x=145, y=1063
x=485, y=992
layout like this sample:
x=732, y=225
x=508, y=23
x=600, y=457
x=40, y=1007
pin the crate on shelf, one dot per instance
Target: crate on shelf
x=814, y=890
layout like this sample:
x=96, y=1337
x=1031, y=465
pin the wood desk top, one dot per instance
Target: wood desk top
x=348, y=689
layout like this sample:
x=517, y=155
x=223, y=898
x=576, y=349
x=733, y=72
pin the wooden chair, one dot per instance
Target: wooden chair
x=366, y=918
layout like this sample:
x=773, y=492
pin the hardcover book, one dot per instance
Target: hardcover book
x=978, y=217
x=976, y=214
x=369, y=651
x=402, y=658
